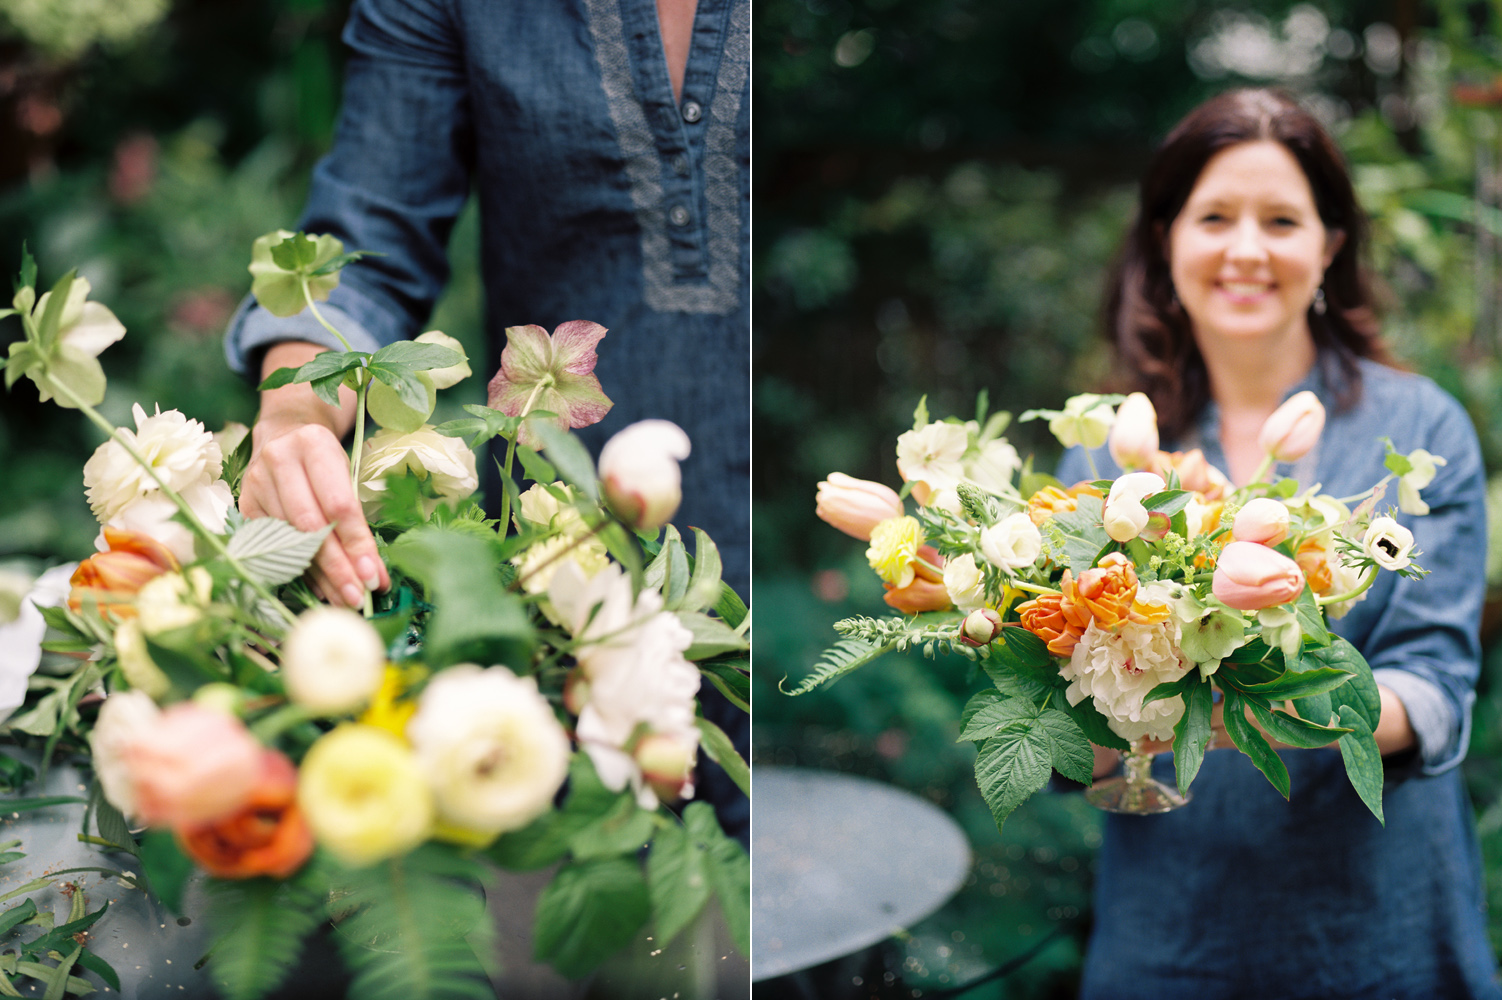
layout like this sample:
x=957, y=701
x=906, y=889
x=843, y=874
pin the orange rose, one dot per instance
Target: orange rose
x=113, y=577
x=1315, y=562
x=1045, y=618
x=268, y=836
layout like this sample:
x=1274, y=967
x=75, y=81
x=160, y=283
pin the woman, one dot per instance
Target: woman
x=1240, y=284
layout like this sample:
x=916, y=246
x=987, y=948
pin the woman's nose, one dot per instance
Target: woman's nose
x=1246, y=242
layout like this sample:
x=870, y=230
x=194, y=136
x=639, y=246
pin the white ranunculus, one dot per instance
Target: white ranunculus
x=965, y=583
x=639, y=472
x=1118, y=668
x=21, y=639
x=332, y=661
x=490, y=748
x=993, y=468
x=445, y=462
x=1012, y=543
x=173, y=600
x=125, y=718
x=1388, y=542
x=180, y=451
x=933, y=455
x=1125, y=516
x=1421, y=475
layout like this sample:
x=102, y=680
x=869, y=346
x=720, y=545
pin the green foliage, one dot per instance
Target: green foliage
x=259, y=926
x=838, y=660
x=590, y=909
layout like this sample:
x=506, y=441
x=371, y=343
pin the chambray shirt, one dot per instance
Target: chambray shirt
x=600, y=198
x=1241, y=894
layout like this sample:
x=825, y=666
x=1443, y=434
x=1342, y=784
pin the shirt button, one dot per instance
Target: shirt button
x=692, y=112
x=680, y=165
x=678, y=215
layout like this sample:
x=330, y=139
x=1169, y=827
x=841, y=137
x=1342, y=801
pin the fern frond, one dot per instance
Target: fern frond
x=837, y=661
x=259, y=926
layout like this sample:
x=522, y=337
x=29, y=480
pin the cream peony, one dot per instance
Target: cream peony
x=154, y=516
x=332, y=661
x=933, y=455
x=1118, y=668
x=490, y=748
x=446, y=463
x=1012, y=543
x=965, y=583
x=180, y=451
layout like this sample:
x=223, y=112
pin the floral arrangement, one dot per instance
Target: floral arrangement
x=1124, y=613
x=525, y=694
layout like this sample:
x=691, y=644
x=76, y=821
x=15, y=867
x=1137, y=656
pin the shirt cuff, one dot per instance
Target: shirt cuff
x=253, y=330
x=1439, y=732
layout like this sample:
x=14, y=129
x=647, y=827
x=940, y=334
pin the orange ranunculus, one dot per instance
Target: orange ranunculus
x=268, y=836
x=1047, y=502
x=1109, y=593
x=920, y=595
x=113, y=577
x=1045, y=617
x=1314, y=560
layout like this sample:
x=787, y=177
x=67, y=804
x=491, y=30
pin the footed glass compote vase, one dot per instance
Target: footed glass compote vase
x=1135, y=791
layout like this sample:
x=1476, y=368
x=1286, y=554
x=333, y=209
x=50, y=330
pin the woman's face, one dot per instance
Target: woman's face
x=1248, y=250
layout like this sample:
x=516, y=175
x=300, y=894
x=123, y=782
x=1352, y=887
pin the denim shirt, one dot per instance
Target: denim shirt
x=1243, y=894
x=601, y=198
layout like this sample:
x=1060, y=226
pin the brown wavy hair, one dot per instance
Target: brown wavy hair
x=1153, y=335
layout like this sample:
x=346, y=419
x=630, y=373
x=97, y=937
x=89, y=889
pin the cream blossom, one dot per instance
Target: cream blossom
x=1085, y=420
x=333, y=661
x=180, y=451
x=1389, y=543
x=1012, y=543
x=965, y=583
x=490, y=748
x=948, y=500
x=540, y=508
x=1118, y=668
x=173, y=600
x=84, y=330
x=155, y=516
x=124, y=718
x=446, y=463
x=639, y=472
x=537, y=565
x=1424, y=466
x=994, y=467
x=21, y=638
x=1124, y=515
x=933, y=455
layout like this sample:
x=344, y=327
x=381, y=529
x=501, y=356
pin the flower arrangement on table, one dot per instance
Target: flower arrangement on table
x=1127, y=612
x=524, y=694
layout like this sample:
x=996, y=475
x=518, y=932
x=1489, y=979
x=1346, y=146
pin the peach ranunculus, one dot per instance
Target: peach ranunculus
x=266, y=836
x=1293, y=428
x=1194, y=473
x=114, y=576
x=1057, y=622
x=1109, y=593
x=855, y=506
x=1250, y=577
x=196, y=765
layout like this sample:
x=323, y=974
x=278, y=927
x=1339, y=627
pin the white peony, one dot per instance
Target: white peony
x=490, y=748
x=154, y=516
x=21, y=638
x=1118, y=669
x=965, y=583
x=332, y=661
x=933, y=455
x=125, y=718
x=180, y=451
x=445, y=462
x=1012, y=543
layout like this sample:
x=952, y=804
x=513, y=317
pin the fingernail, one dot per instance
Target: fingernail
x=368, y=574
x=353, y=596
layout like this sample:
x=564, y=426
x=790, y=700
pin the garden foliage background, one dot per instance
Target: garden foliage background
x=940, y=185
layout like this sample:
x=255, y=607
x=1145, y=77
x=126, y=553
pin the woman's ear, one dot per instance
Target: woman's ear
x=1334, y=240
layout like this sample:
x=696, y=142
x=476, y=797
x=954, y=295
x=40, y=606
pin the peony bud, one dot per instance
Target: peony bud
x=666, y=764
x=1250, y=577
x=1125, y=517
x=1134, y=435
x=1389, y=543
x=1263, y=520
x=1012, y=543
x=855, y=506
x=639, y=471
x=980, y=627
x=1293, y=428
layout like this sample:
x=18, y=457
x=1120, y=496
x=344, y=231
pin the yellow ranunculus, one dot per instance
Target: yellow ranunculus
x=894, y=546
x=363, y=794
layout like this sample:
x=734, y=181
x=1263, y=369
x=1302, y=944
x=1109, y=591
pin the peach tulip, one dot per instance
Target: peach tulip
x=114, y=576
x=920, y=595
x=1250, y=577
x=855, y=506
x=1263, y=520
x=1134, y=435
x=1293, y=428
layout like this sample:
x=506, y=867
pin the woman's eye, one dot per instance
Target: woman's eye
x=1213, y=217
x=1284, y=222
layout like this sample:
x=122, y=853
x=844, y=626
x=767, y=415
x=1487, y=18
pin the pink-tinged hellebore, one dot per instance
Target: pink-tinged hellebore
x=1263, y=520
x=1250, y=577
x=639, y=473
x=1293, y=428
x=553, y=373
x=980, y=627
x=855, y=506
x=1134, y=435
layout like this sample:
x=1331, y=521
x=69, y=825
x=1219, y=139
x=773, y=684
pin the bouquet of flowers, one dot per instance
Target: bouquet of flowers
x=1126, y=612
x=524, y=694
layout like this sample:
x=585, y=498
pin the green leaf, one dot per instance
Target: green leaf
x=1168, y=502
x=1303, y=684
x=1170, y=689
x=730, y=607
x=36, y=970
x=273, y=552
x=412, y=391
x=1398, y=464
x=1084, y=536
x=295, y=252
x=475, y=618
x=1360, y=692
x=1191, y=734
x=330, y=363
x=63, y=934
x=711, y=636
x=187, y=670
x=569, y=457
x=729, y=871
x=51, y=320
x=624, y=830
x=278, y=378
x=677, y=881
x=40, y=802
x=837, y=661
x=1068, y=748
x=1253, y=744
x=1294, y=731
x=990, y=719
x=100, y=968
x=58, y=983
x=1012, y=766
x=534, y=466
x=1094, y=724
x=166, y=867
x=704, y=584
x=340, y=262
x=718, y=748
x=417, y=357
x=590, y=910
x=23, y=358
x=732, y=677
x=109, y=822
x=17, y=915
x=1311, y=618
x=1363, y=759
x=545, y=840
x=258, y=927
x=28, y=276
x=668, y=570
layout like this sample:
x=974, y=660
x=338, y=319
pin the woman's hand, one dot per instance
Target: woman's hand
x=299, y=472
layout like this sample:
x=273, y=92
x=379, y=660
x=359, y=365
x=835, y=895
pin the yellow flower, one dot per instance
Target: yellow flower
x=894, y=546
x=363, y=794
x=386, y=711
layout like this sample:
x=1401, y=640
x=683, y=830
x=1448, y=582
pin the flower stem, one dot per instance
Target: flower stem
x=1031, y=588
x=1361, y=588
x=307, y=294
x=1090, y=458
x=63, y=392
x=1267, y=463
x=511, y=448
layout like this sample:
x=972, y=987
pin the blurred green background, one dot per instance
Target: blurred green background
x=148, y=143
x=940, y=185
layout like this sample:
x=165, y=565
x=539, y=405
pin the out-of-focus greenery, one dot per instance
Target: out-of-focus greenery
x=940, y=189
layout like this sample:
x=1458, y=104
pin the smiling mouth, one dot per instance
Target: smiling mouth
x=1245, y=288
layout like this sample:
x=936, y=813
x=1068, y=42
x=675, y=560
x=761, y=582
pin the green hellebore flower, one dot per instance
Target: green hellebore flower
x=278, y=262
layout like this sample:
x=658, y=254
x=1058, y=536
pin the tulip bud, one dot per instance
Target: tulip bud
x=639, y=472
x=980, y=627
x=1124, y=516
x=1293, y=428
x=1250, y=577
x=1389, y=543
x=855, y=506
x=1263, y=520
x=1134, y=435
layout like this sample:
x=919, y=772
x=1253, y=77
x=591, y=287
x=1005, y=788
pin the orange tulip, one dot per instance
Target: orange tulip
x=113, y=577
x=268, y=836
x=920, y=595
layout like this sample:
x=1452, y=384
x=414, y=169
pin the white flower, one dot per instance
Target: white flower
x=993, y=468
x=639, y=472
x=933, y=455
x=173, y=600
x=332, y=661
x=537, y=565
x=446, y=463
x=965, y=583
x=947, y=500
x=1012, y=543
x=21, y=639
x=1085, y=420
x=601, y=614
x=541, y=509
x=1421, y=475
x=180, y=451
x=1388, y=542
x=1124, y=516
x=136, y=662
x=1344, y=578
x=489, y=746
x=125, y=718
x=85, y=329
x=1118, y=669
x=153, y=516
